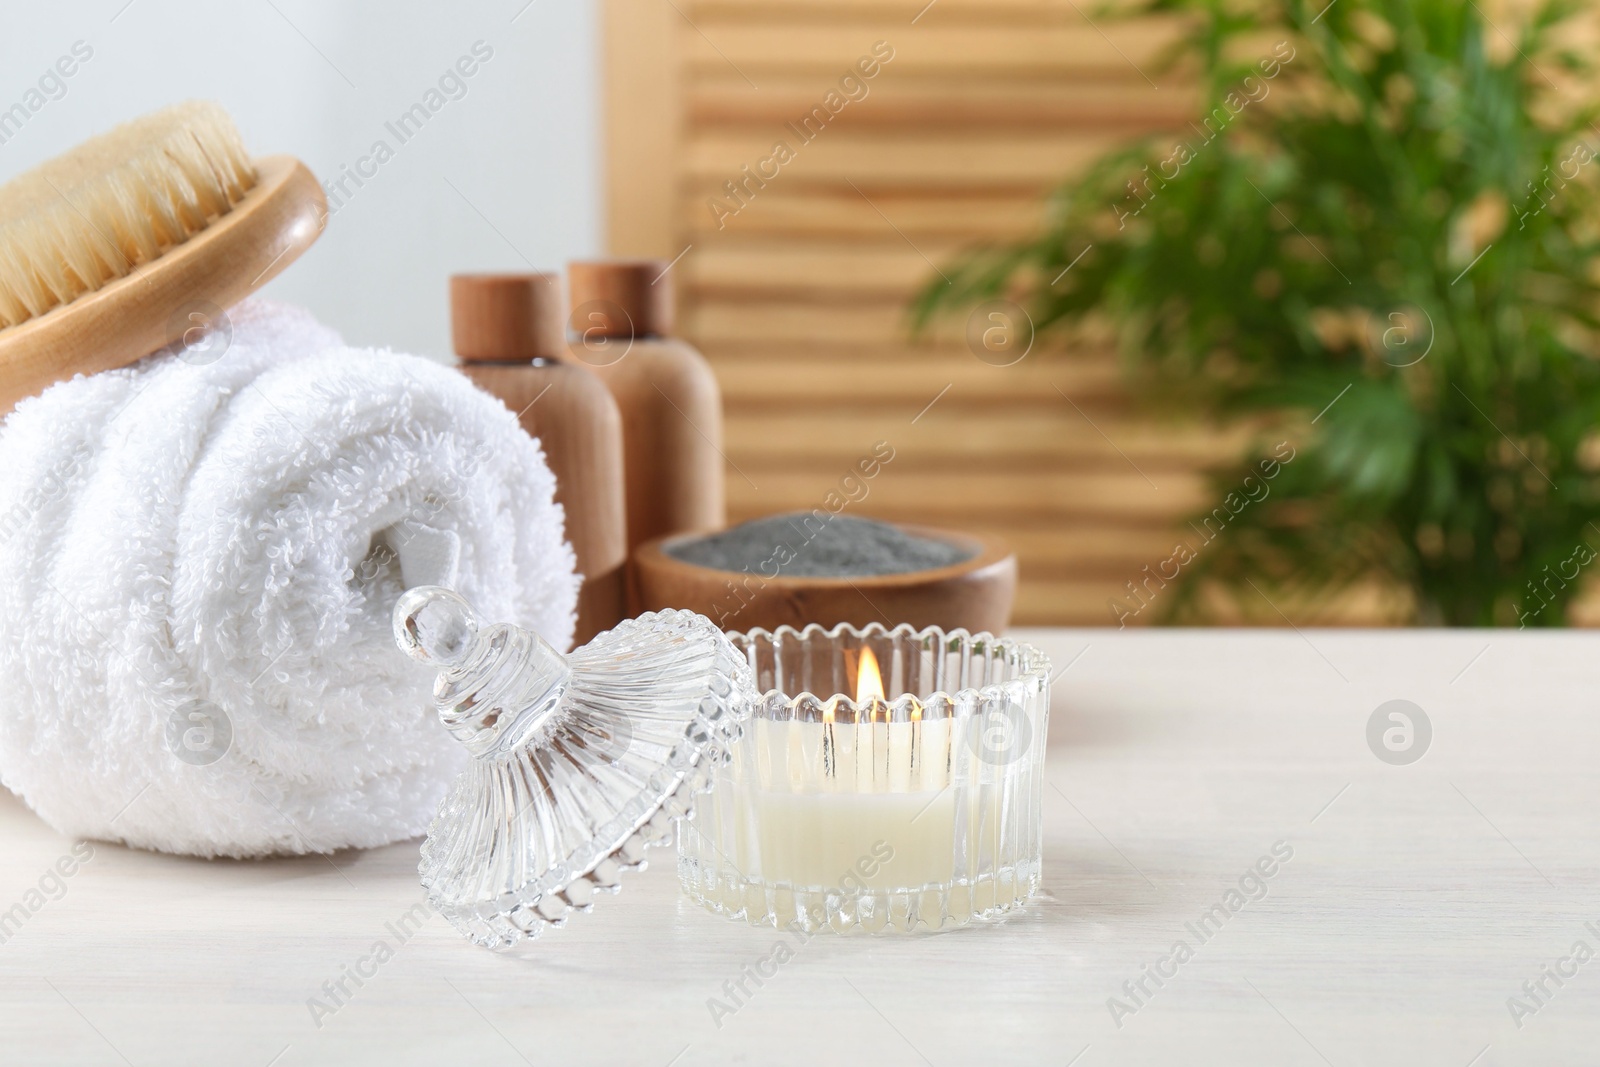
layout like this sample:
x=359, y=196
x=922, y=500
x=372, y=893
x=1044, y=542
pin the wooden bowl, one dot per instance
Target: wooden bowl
x=974, y=595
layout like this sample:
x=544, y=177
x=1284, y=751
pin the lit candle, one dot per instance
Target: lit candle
x=880, y=814
x=871, y=810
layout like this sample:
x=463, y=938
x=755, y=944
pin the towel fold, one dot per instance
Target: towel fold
x=198, y=559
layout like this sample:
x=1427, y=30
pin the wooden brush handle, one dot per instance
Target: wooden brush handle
x=133, y=316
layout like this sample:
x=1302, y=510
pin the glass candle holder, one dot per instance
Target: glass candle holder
x=909, y=794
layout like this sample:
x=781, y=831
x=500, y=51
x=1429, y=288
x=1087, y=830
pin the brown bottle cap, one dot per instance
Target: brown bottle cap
x=621, y=297
x=507, y=317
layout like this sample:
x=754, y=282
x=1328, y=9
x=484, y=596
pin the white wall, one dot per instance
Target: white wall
x=521, y=145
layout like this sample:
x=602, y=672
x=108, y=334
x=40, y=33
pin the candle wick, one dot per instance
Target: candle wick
x=829, y=755
x=888, y=746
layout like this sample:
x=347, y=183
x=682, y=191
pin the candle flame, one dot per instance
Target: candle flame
x=869, y=680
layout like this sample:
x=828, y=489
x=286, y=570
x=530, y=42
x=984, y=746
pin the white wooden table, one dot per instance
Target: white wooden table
x=1418, y=900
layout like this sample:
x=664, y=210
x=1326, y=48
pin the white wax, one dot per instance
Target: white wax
x=847, y=806
x=853, y=841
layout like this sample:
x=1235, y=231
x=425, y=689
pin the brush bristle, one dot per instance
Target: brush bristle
x=92, y=215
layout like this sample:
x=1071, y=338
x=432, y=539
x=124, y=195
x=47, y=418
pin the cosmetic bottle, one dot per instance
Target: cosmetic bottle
x=620, y=328
x=508, y=331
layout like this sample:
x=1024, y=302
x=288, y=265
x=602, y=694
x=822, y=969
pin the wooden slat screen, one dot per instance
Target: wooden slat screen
x=799, y=299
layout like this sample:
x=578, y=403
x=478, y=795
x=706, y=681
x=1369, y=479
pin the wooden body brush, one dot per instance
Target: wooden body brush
x=122, y=245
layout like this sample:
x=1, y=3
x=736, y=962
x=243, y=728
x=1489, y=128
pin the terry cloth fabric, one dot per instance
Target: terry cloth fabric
x=198, y=559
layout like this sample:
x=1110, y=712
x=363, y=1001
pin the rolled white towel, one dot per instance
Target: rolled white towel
x=197, y=568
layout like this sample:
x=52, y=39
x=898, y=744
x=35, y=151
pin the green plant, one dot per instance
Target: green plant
x=1393, y=213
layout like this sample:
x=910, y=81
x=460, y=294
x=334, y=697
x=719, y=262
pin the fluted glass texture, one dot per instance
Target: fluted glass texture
x=579, y=763
x=843, y=810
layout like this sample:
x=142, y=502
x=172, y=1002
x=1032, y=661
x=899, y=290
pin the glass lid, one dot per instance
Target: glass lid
x=580, y=762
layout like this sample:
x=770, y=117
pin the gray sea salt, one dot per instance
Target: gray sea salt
x=844, y=547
